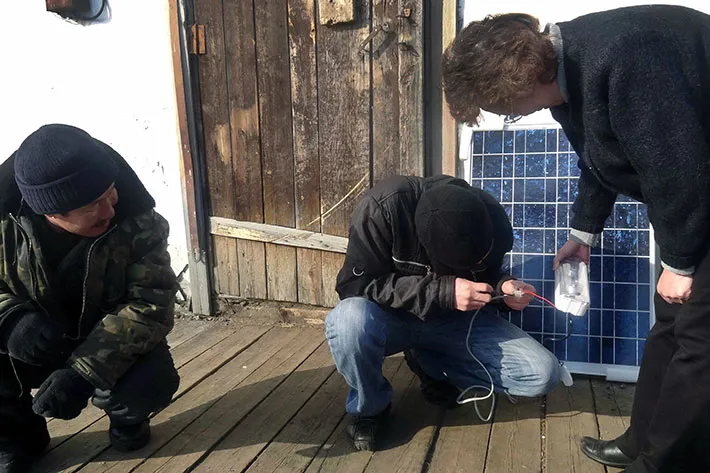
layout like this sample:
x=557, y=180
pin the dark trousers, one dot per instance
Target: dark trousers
x=146, y=387
x=670, y=429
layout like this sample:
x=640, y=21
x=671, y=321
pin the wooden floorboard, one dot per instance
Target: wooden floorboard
x=172, y=422
x=250, y=437
x=613, y=408
x=462, y=445
x=193, y=443
x=337, y=454
x=570, y=416
x=413, y=425
x=185, y=329
x=261, y=399
x=296, y=445
x=188, y=343
x=84, y=445
x=515, y=442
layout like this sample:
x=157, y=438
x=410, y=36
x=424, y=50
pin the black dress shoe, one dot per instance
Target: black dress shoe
x=128, y=438
x=367, y=432
x=605, y=452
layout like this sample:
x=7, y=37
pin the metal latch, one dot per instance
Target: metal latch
x=385, y=27
x=197, y=43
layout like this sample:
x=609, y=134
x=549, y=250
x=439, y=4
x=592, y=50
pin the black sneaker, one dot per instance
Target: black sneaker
x=367, y=432
x=127, y=438
x=435, y=391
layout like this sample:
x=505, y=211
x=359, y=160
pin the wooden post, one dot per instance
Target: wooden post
x=200, y=282
x=449, y=145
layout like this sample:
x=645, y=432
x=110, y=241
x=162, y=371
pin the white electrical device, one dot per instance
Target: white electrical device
x=572, y=287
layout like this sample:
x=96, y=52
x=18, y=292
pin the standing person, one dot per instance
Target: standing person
x=424, y=255
x=631, y=89
x=86, y=294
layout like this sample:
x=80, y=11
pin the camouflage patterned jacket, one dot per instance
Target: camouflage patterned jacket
x=128, y=283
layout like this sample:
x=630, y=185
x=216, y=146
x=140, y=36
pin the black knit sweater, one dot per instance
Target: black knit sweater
x=638, y=116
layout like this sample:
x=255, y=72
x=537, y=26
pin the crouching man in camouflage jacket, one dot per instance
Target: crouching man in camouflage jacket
x=86, y=294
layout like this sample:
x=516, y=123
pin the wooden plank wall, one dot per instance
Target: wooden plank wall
x=344, y=141
x=245, y=136
x=304, y=98
x=299, y=121
x=217, y=144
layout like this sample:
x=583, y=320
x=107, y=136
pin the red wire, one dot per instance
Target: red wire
x=539, y=297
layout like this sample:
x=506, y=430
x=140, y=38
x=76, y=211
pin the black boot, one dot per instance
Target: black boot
x=130, y=428
x=23, y=434
x=605, y=452
x=127, y=438
x=435, y=391
x=367, y=432
x=18, y=454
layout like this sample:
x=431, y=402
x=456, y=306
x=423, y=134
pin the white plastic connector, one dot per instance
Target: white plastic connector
x=572, y=287
x=518, y=294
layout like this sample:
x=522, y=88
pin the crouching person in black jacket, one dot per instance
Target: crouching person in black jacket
x=423, y=255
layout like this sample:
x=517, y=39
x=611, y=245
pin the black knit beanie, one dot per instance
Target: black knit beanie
x=59, y=168
x=453, y=226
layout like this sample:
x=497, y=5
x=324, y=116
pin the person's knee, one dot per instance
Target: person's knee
x=352, y=324
x=540, y=375
x=165, y=378
x=150, y=383
x=351, y=318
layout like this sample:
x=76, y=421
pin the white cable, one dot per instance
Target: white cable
x=475, y=399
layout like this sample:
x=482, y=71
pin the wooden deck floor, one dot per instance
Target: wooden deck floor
x=268, y=399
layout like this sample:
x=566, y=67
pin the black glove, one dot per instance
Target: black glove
x=35, y=339
x=64, y=394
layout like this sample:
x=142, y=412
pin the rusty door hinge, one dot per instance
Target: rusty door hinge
x=197, y=43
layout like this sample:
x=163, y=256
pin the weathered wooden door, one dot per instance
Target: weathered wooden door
x=305, y=105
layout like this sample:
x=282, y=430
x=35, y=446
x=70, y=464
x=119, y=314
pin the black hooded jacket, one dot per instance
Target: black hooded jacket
x=386, y=263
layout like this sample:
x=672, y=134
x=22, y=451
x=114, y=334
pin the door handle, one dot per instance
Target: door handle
x=385, y=28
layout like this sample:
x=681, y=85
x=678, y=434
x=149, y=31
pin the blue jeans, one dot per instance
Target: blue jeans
x=362, y=333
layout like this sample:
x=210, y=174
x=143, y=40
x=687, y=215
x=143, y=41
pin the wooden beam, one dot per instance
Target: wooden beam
x=277, y=235
x=200, y=284
x=449, y=145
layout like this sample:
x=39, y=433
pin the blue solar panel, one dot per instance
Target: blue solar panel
x=534, y=174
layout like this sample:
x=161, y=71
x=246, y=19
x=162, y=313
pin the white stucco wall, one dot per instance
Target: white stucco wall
x=113, y=79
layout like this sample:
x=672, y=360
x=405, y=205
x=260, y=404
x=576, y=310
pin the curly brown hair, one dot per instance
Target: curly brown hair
x=493, y=61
